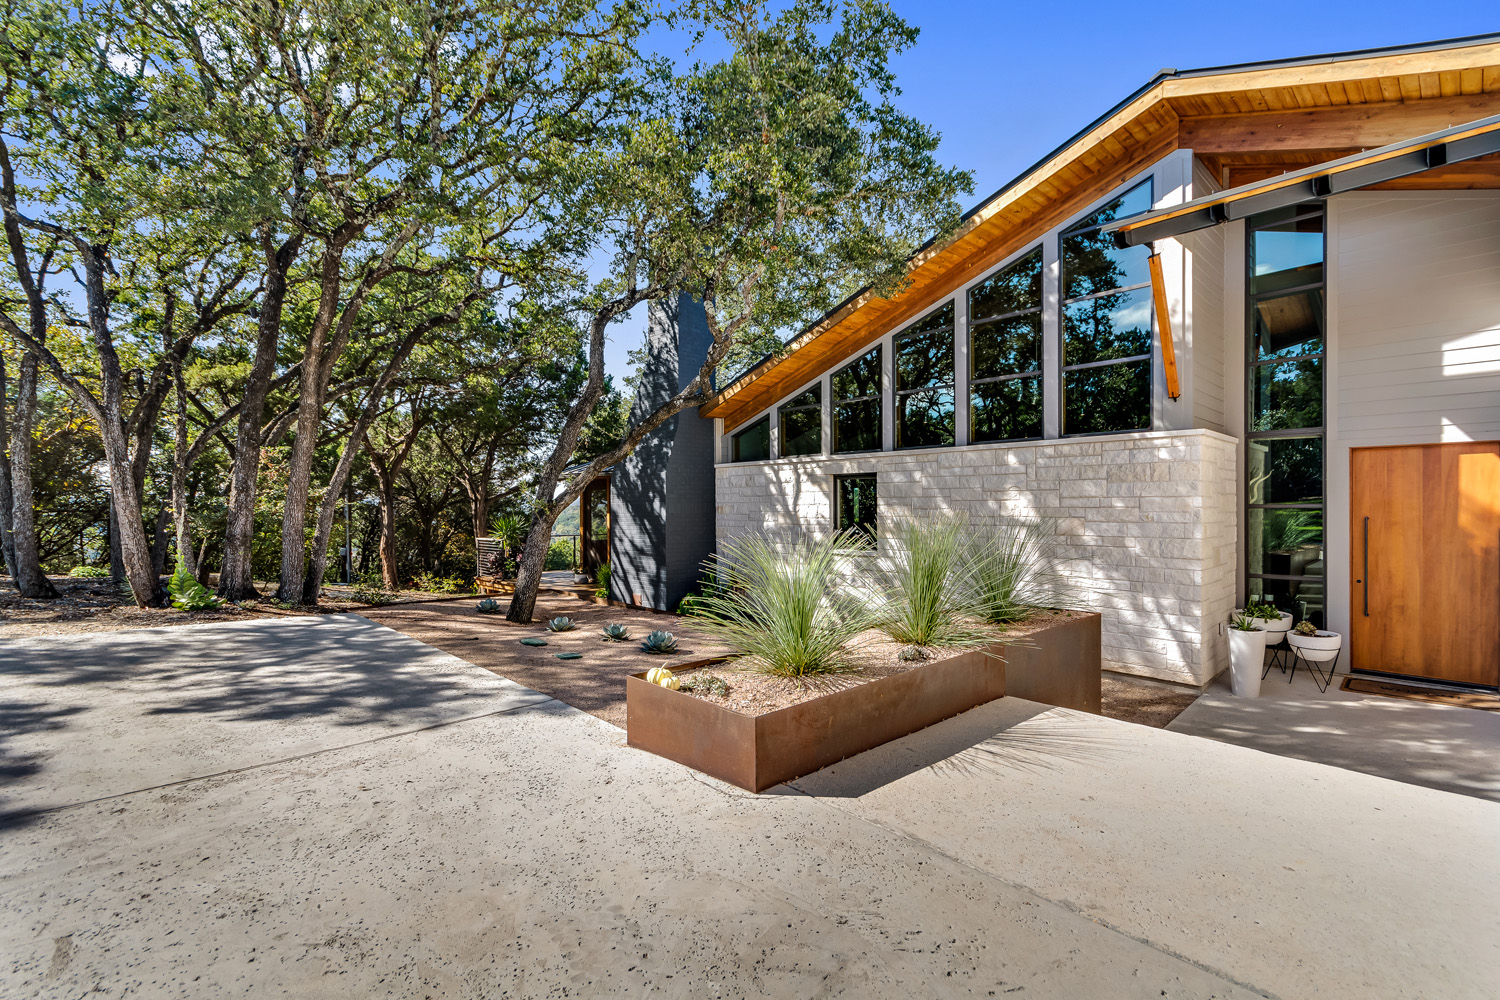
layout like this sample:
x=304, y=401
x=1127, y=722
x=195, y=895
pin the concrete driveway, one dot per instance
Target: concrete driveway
x=322, y=807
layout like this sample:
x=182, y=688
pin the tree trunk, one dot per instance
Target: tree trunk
x=7, y=525
x=159, y=541
x=390, y=574
x=180, y=472
x=236, y=578
x=530, y=568
x=328, y=511
x=27, y=570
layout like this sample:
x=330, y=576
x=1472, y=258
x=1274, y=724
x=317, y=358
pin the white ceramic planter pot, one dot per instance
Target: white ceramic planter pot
x=1319, y=648
x=1247, y=659
x=1278, y=626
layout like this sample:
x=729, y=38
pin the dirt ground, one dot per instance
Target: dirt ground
x=94, y=605
x=594, y=683
x=1142, y=702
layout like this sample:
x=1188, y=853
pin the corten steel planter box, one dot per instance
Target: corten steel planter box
x=1060, y=661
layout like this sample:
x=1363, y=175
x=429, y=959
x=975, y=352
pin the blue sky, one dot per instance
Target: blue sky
x=1006, y=83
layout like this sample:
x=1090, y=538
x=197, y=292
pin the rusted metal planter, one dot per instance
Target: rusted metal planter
x=1060, y=661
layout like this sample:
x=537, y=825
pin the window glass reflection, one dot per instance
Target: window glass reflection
x=1289, y=325
x=860, y=378
x=856, y=426
x=1006, y=410
x=1107, y=327
x=1287, y=254
x=801, y=421
x=754, y=442
x=1018, y=288
x=1285, y=470
x=924, y=359
x=1285, y=542
x=1108, y=398
x=1286, y=395
x=1092, y=263
x=924, y=419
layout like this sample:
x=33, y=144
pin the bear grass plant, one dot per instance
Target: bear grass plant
x=931, y=598
x=1010, y=569
x=786, y=609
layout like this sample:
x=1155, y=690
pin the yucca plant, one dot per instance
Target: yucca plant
x=1010, y=569
x=787, y=609
x=660, y=642
x=616, y=632
x=929, y=601
x=562, y=623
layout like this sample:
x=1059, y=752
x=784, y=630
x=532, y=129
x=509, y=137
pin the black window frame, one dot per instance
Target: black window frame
x=1087, y=226
x=872, y=536
x=974, y=322
x=921, y=328
x=877, y=398
x=792, y=406
x=734, y=440
x=1253, y=363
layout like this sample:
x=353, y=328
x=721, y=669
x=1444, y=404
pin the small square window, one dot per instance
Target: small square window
x=854, y=507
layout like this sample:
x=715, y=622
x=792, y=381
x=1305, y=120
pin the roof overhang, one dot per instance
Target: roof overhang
x=1375, y=166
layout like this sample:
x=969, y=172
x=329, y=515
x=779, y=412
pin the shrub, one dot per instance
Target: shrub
x=1009, y=568
x=559, y=554
x=601, y=590
x=188, y=594
x=89, y=572
x=930, y=600
x=432, y=584
x=366, y=593
x=786, y=610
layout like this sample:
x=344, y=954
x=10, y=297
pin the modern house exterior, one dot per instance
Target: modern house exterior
x=1239, y=338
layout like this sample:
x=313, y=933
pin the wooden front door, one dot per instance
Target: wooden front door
x=1426, y=561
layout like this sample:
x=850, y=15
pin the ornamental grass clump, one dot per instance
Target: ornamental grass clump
x=1010, y=569
x=929, y=600
x=784, y=608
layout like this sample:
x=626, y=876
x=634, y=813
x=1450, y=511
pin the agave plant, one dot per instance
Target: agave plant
x=488, y=606
x=660, y=642
x=562, y=623
x=786, y=608
x=616, y=632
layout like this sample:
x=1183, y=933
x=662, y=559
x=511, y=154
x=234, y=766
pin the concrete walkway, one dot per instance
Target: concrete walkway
x=1439, y=746
x=508, y=845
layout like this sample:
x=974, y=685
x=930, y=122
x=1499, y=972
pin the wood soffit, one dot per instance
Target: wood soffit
x=1245, y=124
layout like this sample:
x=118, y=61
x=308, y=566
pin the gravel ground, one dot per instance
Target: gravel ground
x=595, y=682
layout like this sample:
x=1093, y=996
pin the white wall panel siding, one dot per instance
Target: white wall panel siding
x=1413, y=337
x=1418, y=317
x=1203, y=354
x=1147, y=524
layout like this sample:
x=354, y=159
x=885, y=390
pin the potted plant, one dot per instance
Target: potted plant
x=1269, y=618
x=1314, y=644
x=1247, y=655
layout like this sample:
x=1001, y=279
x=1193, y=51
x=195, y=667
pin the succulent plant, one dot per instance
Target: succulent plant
x=1264, y=611
x=1244, y=623
x=488, y=606
x=660, y=642
x=705, y=684
x=562, y=623
x=616, y=632
x=1306, y=628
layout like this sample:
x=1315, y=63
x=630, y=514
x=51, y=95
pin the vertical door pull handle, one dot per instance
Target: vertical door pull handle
x=1366, y=579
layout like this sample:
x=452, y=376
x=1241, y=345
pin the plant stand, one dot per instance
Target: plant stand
x=1319, y=678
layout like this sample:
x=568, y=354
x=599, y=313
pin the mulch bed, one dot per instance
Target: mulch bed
x=594, y=683
x=1143, y=703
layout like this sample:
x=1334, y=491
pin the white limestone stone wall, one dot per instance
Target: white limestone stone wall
x=1148, y=524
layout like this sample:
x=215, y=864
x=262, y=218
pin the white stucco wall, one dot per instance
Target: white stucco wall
x=1147, y=522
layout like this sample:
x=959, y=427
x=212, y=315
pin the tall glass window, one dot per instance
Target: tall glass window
x=1106, y=324
x=801, y=422
x=1005, y=353
x=1284, y=460
x=856, y=404
x=753, y=444
x=924, y=381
